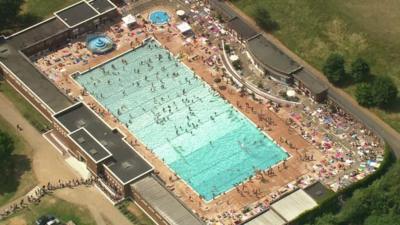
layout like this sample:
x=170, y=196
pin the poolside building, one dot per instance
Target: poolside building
x=103, y=149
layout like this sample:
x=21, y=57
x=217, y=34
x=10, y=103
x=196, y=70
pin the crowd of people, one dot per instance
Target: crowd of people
x=38, y=193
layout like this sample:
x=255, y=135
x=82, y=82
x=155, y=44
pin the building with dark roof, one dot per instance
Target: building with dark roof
x=152, y=196
x=222, y=9
x=102, y=6
x=313, y=86
x=76, y=14
x=103, y=148
x=242, y=29
x=83, y=11
x=270, y=57
x=49, y=34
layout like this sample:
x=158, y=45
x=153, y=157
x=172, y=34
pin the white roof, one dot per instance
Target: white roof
x=183, y=27
x=267, y=218
x=293, y=205
x=180, y=12
x=129, y=19
x=234, y=57
x=290, y=93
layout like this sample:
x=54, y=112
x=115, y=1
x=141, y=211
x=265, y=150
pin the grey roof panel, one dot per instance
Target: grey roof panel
x=79, y=116
x=244, y=30
x=76, y=14
x=101, y=5
x=34, y=79
x=271, y=56
x=312, y=83
x=90, y=145
x=164, y=202
x=37, y=33
x=221, y=7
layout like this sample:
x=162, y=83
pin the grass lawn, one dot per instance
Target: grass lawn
x=23, y=180
x=61, y=209
x=313, y=29
x=26, y=109
x=134, y=213
x=45, y=8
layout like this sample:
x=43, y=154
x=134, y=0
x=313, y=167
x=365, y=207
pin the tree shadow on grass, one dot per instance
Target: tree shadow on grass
x=394, y=106
x=21, y=164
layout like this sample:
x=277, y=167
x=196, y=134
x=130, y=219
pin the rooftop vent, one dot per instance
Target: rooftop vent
x=93, y=151
x=81, y=140
x=81, y=123
x=104, y=142
x=126, y=165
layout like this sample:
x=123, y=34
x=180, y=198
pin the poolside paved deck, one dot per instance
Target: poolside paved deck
x=262, y=187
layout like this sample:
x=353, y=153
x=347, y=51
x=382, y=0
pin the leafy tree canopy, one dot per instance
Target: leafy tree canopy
x=364, y=95
x=360, y=70
x=6, y=147
x=384, y=91
x=9, y=10
x=334, y=69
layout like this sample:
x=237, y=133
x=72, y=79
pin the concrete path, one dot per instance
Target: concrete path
x=49, y=166
x=339, y=96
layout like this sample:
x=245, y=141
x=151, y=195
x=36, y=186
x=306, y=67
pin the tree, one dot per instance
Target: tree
x=6, y=149
x=326, y=219
x=9, y=10
x=382, y=219
x=359, y=70
x=364, y=95
x=263, y=18
x=384, y=91
x=334, y=69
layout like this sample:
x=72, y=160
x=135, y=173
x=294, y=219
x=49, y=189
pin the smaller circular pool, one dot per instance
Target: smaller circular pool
x=99, y=44
x=159, y=17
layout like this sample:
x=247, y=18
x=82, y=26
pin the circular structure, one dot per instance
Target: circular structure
x=99, y=44
x=159, y=17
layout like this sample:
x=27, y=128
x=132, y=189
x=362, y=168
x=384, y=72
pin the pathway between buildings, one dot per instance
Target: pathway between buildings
x=342, y=98
x=49, y=166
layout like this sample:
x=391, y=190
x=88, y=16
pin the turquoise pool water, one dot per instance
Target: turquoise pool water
x=207, y=142
x=159, y=17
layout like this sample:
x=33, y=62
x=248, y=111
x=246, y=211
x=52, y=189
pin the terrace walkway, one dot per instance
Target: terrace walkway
x=373, y=122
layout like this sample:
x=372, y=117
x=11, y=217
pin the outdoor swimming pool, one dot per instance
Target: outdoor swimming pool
x=159, y=17
x=207, y=142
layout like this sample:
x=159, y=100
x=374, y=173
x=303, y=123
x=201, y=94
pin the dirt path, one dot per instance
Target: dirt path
x=49, y=166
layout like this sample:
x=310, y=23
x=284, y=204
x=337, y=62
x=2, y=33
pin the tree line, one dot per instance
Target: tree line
x=371, y=90
x=6, y=163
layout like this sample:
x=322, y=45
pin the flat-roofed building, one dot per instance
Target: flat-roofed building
x=162, y=204
x=103, y=148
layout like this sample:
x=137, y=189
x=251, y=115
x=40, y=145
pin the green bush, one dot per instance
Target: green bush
x=360, y=70
x=334, y=69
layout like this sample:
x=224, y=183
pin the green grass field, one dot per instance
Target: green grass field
x=23, y=179
x=61, y=209
x=313, y=29
x=26, y=109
